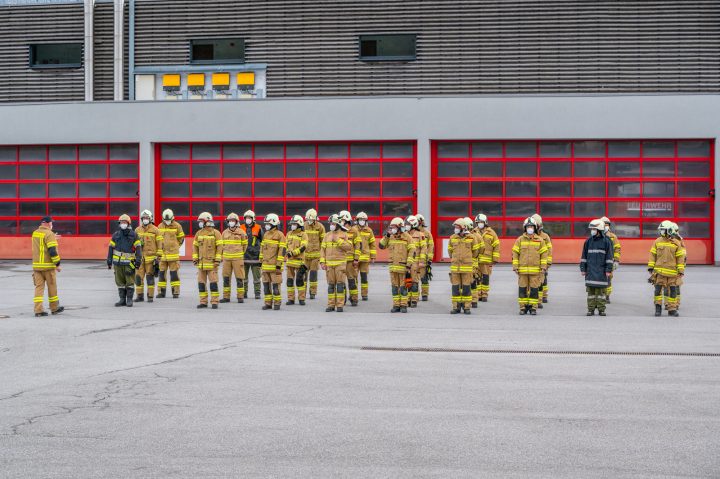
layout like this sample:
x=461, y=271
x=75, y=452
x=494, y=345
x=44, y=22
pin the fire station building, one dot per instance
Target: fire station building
x=574, y=110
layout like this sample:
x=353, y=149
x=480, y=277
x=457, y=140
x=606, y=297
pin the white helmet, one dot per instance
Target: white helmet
x=420, y=218
x=538, y=220
x=481, y=218
x=468, y=223
x=665, y=228
x=460, y=223
x=249, y=214
x=168, y=214
x=334, y=219
x=529, y=222
x=345, y=216
x=272, y=219
x=598, y=224
x=205, y=216
x=397, y=222
x=311, y=215
x=413, y=221
x=297, y=220
x=361, y=216
x=146, y=214
x=606, y=220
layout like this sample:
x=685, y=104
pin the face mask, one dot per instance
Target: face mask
x=594, y=232
x=607, y=228
x=123, y=226
x=333, y=227
x=248, y=221
x=293, y=227
x=201, y=224
x=531, y=231
x=481, y=225
x=310, y=222
x=457, y=231
x=361, y=222
x=268, y=227
x=167, y=222
x=232, y=224
x=146, y=221
x=393, y=231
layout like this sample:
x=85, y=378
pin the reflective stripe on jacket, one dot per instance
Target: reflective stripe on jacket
x=45, y=254
x=529, y=254
x=234, y=242
x=667, y=257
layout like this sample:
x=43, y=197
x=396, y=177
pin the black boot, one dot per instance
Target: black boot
x=395, y=309
x=532, y=312
x=467, y=311
x=329, y=309
x=290, y=302
x=140, y=298
x=301, y=302
x=602, y=313
x=455, y=311
x=129, y=298
x=658, y=310
x=121, y=294
x=161, y=293
x=591, y=313
x=59, y=310
x=224, y=300
x=674, y=314
x=339, y=309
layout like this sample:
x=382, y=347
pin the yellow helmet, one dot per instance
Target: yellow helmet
x=168, y=214
x=311, y=215
x=272, y=219
x=125, y=218
x=205, y=216
x=297, y=220
x=233, y=216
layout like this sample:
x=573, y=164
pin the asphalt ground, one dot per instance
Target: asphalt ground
x=166, y=390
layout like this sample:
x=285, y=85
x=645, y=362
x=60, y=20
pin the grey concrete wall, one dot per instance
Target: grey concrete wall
x=378, y=118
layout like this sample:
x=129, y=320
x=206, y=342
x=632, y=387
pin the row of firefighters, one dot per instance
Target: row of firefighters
x=345, y=252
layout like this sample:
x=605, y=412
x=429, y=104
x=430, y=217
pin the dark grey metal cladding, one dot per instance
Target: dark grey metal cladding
x=23, y=25
x=473, y=46
x=104, y=49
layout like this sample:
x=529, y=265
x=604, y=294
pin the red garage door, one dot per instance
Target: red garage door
x=287, y=179
x=637, y=183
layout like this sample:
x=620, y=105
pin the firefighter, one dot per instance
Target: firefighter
x=353, y=257
x=207, y=254
x=666, y=264
x=680, y=279
x=152, y=247
x=596, y=265
x=463, y=248
x=297, y=242
x=401, y=257
x=315, y=232
x=234, y=243
x=333, y=260
x=529, y=262
x=426, y=276
x=418, y=267
x=616, y=254
x=490, y=255
x=548, y=243
x=272, y=257
x=475, y=287
x=45, y=265
x=173, y=237
x=125, y=252
x=368, y=252
x=252, y=254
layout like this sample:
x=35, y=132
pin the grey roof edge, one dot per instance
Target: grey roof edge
x=240, y=67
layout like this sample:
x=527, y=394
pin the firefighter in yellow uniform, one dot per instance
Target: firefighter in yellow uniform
x=333, y=259
x=418, y=268
x=45, y=265
x=529, y=261
x=463, y=248
x=368, y=252
x=173, y=237
x=207, y=254
x=681, y=278
x=666, y=264
x=315, y=232
x=475, y=287
x=548, y=243
x=490, y=255
x=152, y=248
x=297, y=242
x=272, y=259
x=426, y=276
x=616, y=254
x=234, y=244
x=401, y=257
x=353, y=257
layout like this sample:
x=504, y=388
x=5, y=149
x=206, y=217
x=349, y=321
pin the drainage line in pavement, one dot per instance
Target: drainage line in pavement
x=535, y=351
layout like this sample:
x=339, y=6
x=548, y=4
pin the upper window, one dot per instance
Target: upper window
x=225, y=50
x=56, y=55
x=399, y=47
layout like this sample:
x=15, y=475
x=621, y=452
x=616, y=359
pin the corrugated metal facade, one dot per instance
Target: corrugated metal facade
x=21, y=26
x=473, y=46
x=104, y=22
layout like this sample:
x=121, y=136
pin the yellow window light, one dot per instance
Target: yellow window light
x=196, y=80
x=221, y=79
x=246, y=79
x=171, y=81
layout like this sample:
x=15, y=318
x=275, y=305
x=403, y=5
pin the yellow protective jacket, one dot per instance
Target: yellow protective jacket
x=297, y=242
x=420, y=242
x=548, y=244
x=335, y=248
x=616, y=245
x=315, y=233
x=368, y=247
x=530, y=254
x=401, y=248
x=207, y=248
x=667, y=257
x=234, y=244
x=430, y=244
x=272, y=250
x=491, y=250
x=44, y=250
x=173, y=237
x=355, y=238
x=463, y=250
x=152, y=241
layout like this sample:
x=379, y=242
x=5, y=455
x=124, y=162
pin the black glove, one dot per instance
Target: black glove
x=302, y=270
x=109, y=263
x=650, y=270
x=387, y=234
x=278, y=268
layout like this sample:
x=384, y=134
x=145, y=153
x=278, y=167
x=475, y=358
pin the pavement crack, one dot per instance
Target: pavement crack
x=304, y=331
x=125, y=326
x=13, y=396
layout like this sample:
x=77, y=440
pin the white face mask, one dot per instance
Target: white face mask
x=201, y=224
x=146, y=221
x=393, y=231
x=481, y=225
x=248, y=221
x=232, y=224
x=530, y=231
x=361, y=222
x=457, y=231
x=123, y=226
x=310, y=222
x=607, y=228
x=333, y=227
x=594, y=232
x=167, y=222
x=268, y=227
x=293, y=227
